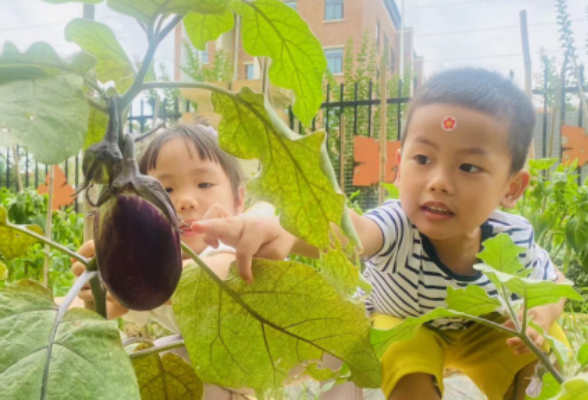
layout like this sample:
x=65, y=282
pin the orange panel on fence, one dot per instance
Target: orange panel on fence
x=62, y=191
x=367, y=159
x=575, y=145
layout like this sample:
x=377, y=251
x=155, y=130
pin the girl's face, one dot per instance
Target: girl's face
x=194, y=185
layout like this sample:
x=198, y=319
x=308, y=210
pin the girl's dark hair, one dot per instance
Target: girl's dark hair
x=488, y=92
x=205, y=142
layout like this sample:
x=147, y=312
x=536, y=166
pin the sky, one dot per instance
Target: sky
x=448, y=33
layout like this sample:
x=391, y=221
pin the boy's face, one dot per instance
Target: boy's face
x=452, y=180
x=194, y=185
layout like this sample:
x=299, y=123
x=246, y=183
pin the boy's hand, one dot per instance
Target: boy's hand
x=536, y=337
x=251, y=237
x=114, y=308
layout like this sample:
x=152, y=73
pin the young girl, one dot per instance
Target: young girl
x=203, y=182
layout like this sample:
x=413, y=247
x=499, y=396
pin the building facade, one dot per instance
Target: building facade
x=333, y=22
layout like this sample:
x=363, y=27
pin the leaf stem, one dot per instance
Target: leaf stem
x=155, y=350
x=511, y=311
x=139, y=84
x=51, y=243
x=542, y=356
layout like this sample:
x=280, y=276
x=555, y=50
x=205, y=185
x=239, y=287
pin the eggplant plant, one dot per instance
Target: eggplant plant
x=237, y=334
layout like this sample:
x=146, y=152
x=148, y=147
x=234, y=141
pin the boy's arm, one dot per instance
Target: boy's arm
x=264, y=238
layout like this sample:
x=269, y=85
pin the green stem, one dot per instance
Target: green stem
x=542, y=356
x=138, y=84
x=513, y=315
x=51, y=243
x=99, y=295
x=155, y=350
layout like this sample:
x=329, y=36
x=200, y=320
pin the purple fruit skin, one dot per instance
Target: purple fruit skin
x=138, y=252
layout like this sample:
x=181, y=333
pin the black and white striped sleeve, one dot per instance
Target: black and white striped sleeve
x=395, y=228
x=543, y=268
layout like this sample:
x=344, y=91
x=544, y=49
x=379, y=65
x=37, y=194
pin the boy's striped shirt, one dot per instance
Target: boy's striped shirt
x=410, y=280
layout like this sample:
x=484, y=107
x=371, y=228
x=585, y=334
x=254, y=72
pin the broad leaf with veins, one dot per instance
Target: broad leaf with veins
x=87, y=358
x=253, y=335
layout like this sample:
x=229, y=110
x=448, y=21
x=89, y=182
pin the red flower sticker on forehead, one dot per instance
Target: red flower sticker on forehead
x=449, y=124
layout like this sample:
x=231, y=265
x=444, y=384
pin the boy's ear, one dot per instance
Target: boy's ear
x=517, y=186
x=240, y=200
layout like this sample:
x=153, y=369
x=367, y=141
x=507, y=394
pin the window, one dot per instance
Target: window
x=334, y=60
x=291, y=4
x=249, y=72
x=333, y=10
x=378, y=33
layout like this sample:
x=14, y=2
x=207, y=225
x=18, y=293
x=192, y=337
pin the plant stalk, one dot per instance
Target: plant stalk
x=155, y=350
x=51, y=243
x=138, y=84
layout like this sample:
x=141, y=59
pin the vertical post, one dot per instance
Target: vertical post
x=236, y=48
x=327, y=109
x=8, y=167
x=528, y=71
x=17, y=169
x=383, y=131
x=48, y=226
x=545, y=100
x=370, y=109
x=27, y=169
x=526, y=53
x=77, y=181
x=401, y=69
x=36, y=174
x=399, y=110
x=342, y=146
x=177, y=53
x=354, y=110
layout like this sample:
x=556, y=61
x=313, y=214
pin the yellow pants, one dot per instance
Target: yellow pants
x=480, y=352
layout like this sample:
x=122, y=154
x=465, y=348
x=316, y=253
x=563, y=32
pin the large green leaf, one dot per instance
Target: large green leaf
x=48, y=116
x=575, y=388
x=87, y=360
x=537, y=292
x=99, y=40
x=292, y=176
x=472, y=300
x=502, y=254
x=582, y=356
x=148, y=10
x=97, y=125
x=12, y=242
x=272, y=29
x=39, y=61
x=167, y=377
x=253, y=335
x=203, y=28
x=340, y=272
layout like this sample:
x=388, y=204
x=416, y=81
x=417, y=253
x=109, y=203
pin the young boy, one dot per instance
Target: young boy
x=203, y=182
x=463, y=151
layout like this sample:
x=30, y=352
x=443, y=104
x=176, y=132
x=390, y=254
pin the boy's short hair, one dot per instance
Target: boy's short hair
x=485, y=91
x=205, y=142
